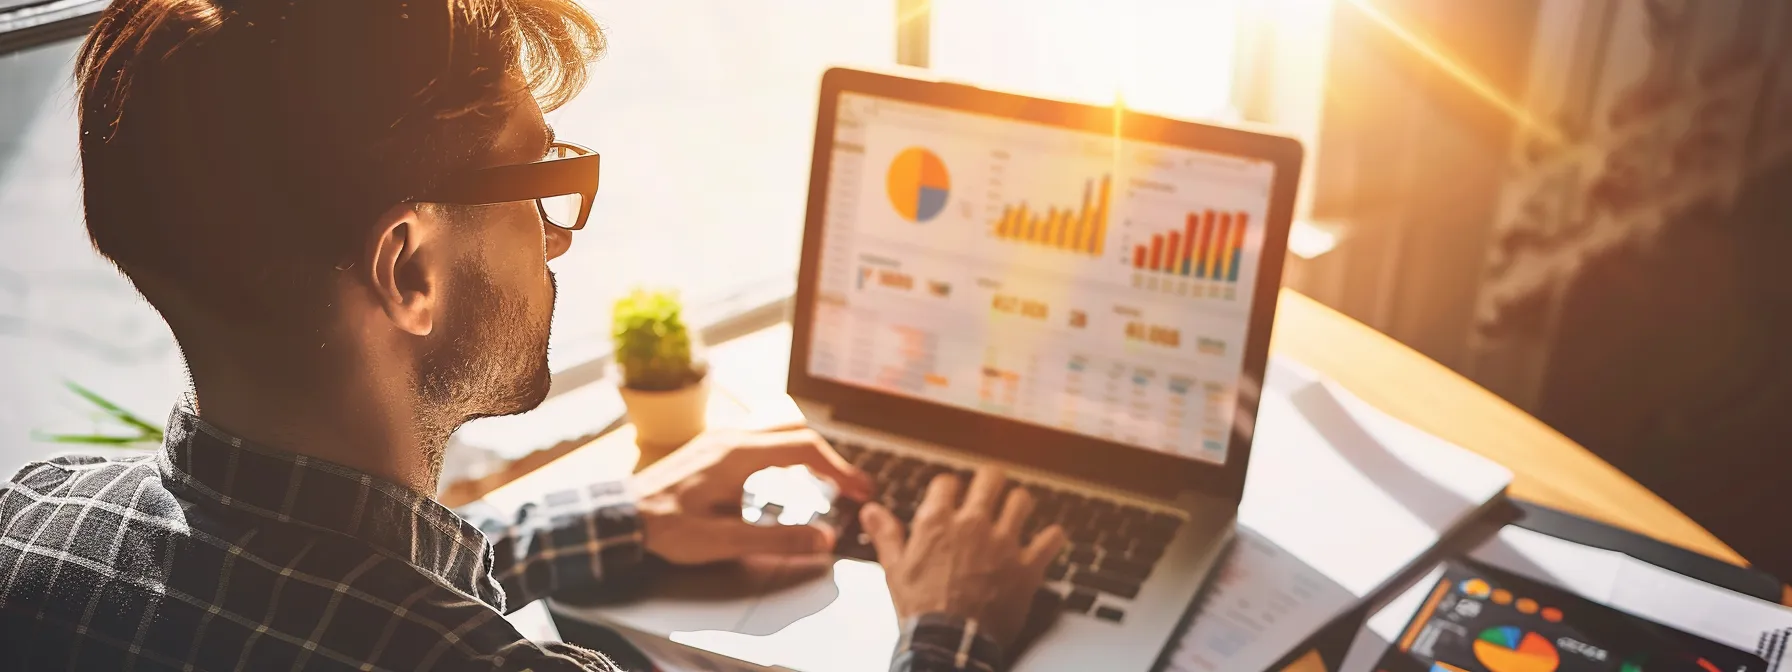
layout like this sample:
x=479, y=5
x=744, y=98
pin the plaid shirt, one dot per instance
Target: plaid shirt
x=216, y=554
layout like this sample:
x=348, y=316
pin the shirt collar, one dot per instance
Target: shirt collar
x=303, y=490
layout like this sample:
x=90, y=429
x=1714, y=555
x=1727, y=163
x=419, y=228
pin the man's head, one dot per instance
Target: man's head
x=257, y=168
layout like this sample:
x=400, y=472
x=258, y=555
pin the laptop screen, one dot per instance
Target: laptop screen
x=1053, y=276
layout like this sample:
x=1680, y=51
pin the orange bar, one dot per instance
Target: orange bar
x=1173, y=260
x=1078, y=239
x=1002, y=224
x=1424, y=615
x=1157, y=251
x=1188, y=246
x=1222, y=240
x=1101, y=218
x=1138, y=257
x=1237, y=257
x=1205, y=266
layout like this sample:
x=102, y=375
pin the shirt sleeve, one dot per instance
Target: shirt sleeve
x=567, y=540
x=934, y=642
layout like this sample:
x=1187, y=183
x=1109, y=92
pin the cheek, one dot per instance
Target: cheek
x=522, y=240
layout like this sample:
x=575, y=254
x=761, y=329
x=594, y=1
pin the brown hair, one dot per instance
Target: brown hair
x=233, y=148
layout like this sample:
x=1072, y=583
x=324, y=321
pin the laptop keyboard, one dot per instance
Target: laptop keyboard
x=1113, y=546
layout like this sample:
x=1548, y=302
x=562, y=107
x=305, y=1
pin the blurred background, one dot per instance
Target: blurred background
x=1579, y=204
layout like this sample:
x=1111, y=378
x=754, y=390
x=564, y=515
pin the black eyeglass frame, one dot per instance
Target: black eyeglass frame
x=527, y=181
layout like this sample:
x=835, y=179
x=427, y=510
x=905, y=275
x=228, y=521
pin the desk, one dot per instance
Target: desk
x=1547, y=467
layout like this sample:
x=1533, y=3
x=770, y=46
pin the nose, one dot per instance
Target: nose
x=558, y=240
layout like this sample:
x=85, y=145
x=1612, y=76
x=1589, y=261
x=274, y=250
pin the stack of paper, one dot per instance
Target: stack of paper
x=1340, y=498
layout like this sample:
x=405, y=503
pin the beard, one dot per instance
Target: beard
x=491, y=359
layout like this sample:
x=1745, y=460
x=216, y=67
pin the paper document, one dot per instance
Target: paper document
x=1340, y=498
x=1258, y=596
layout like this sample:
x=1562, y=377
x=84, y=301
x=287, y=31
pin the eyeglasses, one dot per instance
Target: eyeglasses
x=562, y=185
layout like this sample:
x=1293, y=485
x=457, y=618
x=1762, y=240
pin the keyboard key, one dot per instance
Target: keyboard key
x=875, y=461
x=900, y=469
x=1125, y=567
x=849, y=451
x=1132, y=518
x=1115, y=542
x=1079, y=601
x=1057, y=571
x=1108, y=613
x=1081, y=555
x=1161, y=525
x=1147, y=551
x=1084, y=535
x=1124, y=586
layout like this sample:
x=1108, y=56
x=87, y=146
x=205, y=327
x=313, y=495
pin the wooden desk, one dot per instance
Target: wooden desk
x=1548, y=468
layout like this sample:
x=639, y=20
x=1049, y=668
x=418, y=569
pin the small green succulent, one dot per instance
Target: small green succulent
x=653, y=345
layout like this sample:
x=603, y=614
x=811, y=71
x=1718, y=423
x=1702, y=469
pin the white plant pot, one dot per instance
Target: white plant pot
x=670, y=418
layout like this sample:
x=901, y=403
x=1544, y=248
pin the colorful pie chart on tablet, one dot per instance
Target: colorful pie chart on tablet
x=1508, y=649
x=918, y=184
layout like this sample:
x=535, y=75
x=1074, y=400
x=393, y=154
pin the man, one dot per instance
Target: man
x=339, y=207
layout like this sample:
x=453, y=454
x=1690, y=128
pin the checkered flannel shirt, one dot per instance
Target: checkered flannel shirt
x=217, y=554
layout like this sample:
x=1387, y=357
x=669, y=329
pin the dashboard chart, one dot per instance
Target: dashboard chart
x=1080, y=230
x=919, y=184
x=1061, y=278
x=1476, y=618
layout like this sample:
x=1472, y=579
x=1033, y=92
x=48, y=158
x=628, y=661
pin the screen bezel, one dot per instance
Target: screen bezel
x=1123, y=466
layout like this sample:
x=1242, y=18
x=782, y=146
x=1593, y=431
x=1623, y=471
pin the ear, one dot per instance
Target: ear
x=406, y=267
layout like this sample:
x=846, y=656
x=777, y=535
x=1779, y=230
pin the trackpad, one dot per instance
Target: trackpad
x=841, y=620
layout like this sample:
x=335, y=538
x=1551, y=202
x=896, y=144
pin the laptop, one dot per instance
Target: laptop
x=1080, y=294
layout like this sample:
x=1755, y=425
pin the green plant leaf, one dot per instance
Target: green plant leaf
x=112, y=409
x=93, y=439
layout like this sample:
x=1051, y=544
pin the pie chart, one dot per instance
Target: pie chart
x=918, y=184
x=1505, y=648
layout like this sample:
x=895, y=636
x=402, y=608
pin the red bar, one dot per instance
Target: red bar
x=1220, y=243
x=1238, y=233
x=1157, y=251
x=1172, y=255
x=1138, y=256
x=1206, y=262
x=1188, y=246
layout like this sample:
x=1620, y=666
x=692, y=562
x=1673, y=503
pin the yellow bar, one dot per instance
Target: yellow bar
x=1101, y=217
x=1002, y=224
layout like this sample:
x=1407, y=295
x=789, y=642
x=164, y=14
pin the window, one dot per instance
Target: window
x=703, y=110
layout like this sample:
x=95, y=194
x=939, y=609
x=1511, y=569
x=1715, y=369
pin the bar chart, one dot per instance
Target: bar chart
x=1208, y=249
x=1079, y=230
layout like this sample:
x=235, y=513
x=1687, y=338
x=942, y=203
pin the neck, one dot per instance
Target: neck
x=336, y=411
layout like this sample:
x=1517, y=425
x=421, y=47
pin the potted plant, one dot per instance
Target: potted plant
x=663, y=381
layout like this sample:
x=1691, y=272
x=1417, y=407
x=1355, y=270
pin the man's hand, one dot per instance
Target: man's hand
x=966, y=560
x=690, y=501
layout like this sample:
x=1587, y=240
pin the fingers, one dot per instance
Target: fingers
x=735, y=538
x=1014, y=514
x=804, y=447
x=1045, y=546
x=941, y=499
x=885, y=531
x=985, y=487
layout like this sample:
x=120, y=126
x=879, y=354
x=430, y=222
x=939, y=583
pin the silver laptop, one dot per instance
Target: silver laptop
x=1079, y=294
